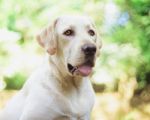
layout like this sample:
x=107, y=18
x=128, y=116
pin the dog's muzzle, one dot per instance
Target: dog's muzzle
x=85, y=68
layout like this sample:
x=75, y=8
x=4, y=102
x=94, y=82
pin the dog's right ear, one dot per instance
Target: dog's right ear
x=47, y=38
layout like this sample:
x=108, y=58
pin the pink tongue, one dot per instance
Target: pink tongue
x=85, y=70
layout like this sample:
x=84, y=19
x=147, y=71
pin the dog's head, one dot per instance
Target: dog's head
x=75, y=39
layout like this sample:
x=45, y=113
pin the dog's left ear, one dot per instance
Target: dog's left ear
x=99, y=41
x=98, y=44
x=47, y=38
x=98, y=38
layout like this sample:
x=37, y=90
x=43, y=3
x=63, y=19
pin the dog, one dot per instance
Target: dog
x=60, y=89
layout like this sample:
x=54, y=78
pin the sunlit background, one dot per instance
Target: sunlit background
x=122, y=73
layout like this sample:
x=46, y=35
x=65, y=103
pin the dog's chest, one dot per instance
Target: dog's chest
x=75, y=105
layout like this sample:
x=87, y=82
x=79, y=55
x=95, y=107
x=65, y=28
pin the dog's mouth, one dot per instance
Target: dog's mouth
x=84, y=69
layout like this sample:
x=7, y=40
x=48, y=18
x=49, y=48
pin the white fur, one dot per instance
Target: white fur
x=51, y=93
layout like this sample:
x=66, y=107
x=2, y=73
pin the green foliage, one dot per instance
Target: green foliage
x=15, y=82
x=137, y=31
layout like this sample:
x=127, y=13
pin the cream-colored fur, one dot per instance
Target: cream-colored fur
x=52, y=92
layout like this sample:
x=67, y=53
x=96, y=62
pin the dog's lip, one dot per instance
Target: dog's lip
x=71, y=68
x=84, y=69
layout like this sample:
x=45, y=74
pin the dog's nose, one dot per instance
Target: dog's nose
x=89, y=49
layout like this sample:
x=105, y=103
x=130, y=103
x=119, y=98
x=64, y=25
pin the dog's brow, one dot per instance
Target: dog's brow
x=69, y=27
x=89, y=26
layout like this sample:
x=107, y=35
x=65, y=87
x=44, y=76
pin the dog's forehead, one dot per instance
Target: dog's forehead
x=73, y=21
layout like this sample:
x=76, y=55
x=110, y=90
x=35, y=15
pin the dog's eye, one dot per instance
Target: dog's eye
x=69, y=32
x=91, y=32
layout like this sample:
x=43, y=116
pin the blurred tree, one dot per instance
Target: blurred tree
x=137, y=31
x=15, y=82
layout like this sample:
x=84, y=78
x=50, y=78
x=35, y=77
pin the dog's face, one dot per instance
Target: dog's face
x=75, y=39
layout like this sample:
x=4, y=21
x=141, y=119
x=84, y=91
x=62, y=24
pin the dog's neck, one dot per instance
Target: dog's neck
x=59, y=71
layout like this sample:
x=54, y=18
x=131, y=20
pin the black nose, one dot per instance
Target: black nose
x=89, y=49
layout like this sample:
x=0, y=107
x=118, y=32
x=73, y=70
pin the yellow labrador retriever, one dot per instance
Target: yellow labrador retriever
x=60, y=88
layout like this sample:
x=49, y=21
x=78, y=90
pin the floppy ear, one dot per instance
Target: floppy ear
x=99, y=41
x=47, y=38
x=98, y=44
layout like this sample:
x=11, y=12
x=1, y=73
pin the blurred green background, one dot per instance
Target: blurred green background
x=122, y=73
